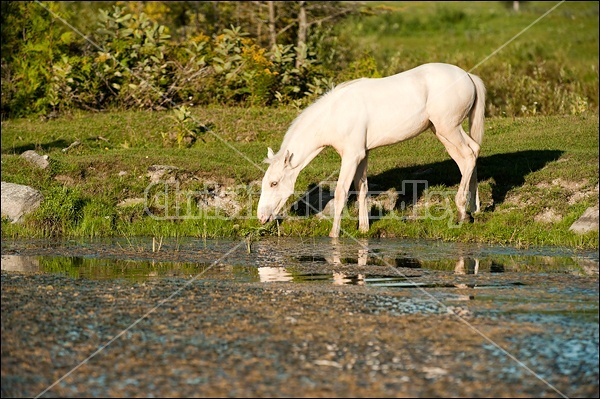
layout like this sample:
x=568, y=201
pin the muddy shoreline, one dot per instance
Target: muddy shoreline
x=525, y=332
x=214, y=339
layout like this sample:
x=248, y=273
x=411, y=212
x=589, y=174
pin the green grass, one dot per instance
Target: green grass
x=546, y=67
x=527, y=167
x=535, y=168
x=468, y=32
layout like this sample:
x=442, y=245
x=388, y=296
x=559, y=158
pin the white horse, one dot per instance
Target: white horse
x=363, y=114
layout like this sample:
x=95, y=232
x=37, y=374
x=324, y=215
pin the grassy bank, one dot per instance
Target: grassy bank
x=537, y=176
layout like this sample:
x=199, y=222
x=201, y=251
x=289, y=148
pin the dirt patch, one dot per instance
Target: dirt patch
x=548, y=216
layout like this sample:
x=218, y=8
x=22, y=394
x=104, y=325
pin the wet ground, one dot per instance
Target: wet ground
x=291, y=317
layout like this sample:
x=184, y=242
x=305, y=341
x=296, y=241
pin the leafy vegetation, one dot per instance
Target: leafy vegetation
x=130, y=60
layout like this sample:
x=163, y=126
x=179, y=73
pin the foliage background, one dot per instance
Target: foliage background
x=160, y=55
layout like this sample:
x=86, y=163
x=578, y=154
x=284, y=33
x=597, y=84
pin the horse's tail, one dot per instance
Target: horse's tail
x=477, y=114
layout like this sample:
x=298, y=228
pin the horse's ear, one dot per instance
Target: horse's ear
x=270, y=153
x=287, y=160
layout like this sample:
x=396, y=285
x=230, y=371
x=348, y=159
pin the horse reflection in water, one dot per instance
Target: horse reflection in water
x=268, y=274
x=339, y=255
x=466, y=265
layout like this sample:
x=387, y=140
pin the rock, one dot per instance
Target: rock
x=384, y=200
x=156, y=172
x=587, y=222
x=547, y=216
x=36, y=159
x=131, y=202
x=19, y=200
x=223, y=201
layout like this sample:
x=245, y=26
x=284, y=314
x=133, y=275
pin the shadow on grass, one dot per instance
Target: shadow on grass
x=506, y=170
x=46, y=147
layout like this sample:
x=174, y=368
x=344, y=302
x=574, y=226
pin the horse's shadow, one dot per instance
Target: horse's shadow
x=503, y=171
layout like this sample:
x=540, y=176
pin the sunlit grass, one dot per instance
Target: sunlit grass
x=527, y=166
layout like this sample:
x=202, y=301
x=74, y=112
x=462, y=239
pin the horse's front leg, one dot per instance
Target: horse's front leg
x=361, y=186
x=347, y=172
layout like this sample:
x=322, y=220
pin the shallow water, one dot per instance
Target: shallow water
x=539, y=281
x=382, y=262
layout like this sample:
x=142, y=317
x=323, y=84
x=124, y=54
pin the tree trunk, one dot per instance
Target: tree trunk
x=272, y=33
x=302, y=28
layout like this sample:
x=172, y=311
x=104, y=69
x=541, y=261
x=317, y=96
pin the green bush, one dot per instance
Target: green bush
x=133, y=62
x=41, y=41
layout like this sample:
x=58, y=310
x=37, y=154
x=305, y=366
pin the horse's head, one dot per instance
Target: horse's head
x=277, y=185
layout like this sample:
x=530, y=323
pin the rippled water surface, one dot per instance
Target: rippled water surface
x=345, y=261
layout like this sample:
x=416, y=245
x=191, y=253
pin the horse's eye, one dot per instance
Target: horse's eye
x=274, y=184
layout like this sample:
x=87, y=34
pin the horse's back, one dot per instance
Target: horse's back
x=401, y=106
x=434, y=81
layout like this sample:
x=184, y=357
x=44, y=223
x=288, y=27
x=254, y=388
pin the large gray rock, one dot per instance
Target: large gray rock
x=19, y=200
x=36, y=159
x=587, y=222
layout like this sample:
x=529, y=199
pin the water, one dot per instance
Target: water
x=534, y=282
x=382, y=262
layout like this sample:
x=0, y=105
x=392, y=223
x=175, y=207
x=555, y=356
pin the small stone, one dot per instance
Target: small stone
x=157, y=172
x=587, y=222
x=36, y=159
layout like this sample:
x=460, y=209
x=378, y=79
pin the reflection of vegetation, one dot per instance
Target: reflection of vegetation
x=376, y=266
x=79, y=267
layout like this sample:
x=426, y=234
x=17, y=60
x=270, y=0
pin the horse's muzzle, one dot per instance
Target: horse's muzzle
x=264, y=218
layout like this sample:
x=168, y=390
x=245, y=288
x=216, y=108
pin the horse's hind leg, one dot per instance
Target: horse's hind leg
x=464, y=150
x=361, y=186
x=474, y=203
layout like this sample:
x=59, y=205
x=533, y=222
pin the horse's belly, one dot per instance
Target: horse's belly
x=382, y=134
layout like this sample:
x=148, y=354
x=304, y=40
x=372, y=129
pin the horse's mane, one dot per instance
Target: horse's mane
x=312, y=113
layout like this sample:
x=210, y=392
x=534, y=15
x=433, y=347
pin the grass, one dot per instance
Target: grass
x=528, y=167
x=547, y=67
x=537, y=174
x=468, y=32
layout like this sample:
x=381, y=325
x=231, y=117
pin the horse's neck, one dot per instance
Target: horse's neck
x=305, y=138
x=303, y=151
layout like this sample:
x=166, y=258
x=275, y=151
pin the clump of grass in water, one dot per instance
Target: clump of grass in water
x=251, y=233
